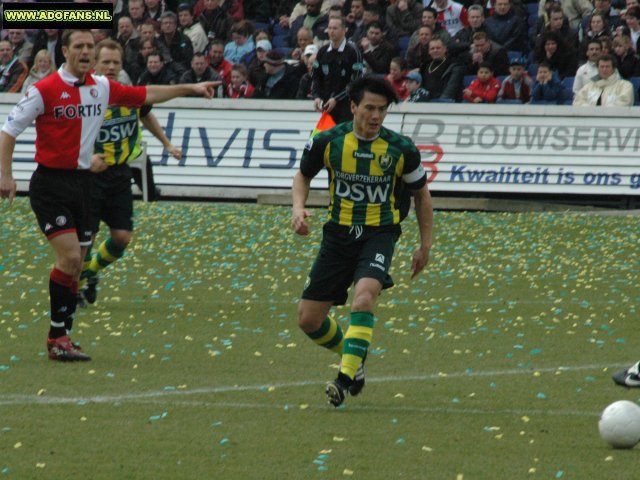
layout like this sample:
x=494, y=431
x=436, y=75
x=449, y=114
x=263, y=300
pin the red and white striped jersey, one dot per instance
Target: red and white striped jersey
x=68, y=116
x=453, y=17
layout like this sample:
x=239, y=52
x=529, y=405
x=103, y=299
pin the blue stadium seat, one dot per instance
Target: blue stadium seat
x=567, y=90
x=513, y=101
x=284, y=51
x=635, y=81
x=278, y=30
x=532, y=9
x=532, y=70
x=280, y=41
x=403, y=46
x=466, y=81
x=262, y=26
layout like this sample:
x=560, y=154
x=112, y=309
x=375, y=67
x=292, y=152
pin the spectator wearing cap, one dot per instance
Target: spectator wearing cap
x=304, y=87
x=192, y=29
x=518, y=85
x=218, y=62
x=281, y=81
x=376, y=51
x=241, y=42
x=256, y=65
x=178, y=44
x=417, y=94
x=200, y=71
x=215, y=21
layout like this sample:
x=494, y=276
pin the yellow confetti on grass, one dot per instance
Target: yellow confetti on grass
x=41, y=465
x=258, y=354
x=17, y=445
x=608, y=459
x=339, y=439
x=525, y=419
x=399, y=395
x=41, y=391
x=347, y=472
x=304, y=406
x=427, y=449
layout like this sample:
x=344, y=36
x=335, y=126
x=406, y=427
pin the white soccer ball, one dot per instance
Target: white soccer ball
x=619, y=424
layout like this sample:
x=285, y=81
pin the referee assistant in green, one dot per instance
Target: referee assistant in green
x=373, y=171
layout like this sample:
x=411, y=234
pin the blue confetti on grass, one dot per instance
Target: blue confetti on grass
x=541, y=396
x=224, y=441
x=560, y=474
x=154, y=418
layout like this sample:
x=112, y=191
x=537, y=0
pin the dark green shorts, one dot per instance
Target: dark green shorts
x=112, y=200
x=348, y=254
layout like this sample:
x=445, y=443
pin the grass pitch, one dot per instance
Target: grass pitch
x=493, y=364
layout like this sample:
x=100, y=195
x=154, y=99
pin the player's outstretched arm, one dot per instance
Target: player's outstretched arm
x=151, y=123
x=424, y=215
x=162, y=93
x=300, y=193
x=7, y=183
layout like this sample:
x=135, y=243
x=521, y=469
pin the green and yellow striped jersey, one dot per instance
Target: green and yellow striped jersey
x=120, y=135
x=367, y=179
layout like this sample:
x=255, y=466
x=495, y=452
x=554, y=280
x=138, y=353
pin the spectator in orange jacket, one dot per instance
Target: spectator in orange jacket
x=484, y=89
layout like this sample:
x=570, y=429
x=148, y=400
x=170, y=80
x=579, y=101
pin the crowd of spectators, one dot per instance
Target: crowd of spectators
x=477, y=51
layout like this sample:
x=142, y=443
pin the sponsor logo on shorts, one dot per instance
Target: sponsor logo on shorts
x=379, y=262
x=379, y=257
x=61, y=220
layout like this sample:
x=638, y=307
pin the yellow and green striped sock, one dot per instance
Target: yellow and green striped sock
x=356, y=342
x=108, y=252
x=329, y=335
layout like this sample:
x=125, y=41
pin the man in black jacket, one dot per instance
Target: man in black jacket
x=281, y=81
x=337, y=64
x=178, y=44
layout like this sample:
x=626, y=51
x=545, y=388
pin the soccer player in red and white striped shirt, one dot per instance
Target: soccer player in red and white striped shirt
x=68, y=107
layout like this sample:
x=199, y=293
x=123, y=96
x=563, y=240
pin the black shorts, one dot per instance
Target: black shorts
x=60, y=199
x=348, y=254
x=112, y=200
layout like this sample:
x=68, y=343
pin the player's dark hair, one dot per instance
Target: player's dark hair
x=66, y=35
x=371, y=84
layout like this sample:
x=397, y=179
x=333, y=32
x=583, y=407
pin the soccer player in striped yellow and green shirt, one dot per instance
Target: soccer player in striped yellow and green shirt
x=373, y=172
x=118, y=143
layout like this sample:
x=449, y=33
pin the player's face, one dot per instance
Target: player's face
x=369, y=114
x=109, y=63
x=80, y=53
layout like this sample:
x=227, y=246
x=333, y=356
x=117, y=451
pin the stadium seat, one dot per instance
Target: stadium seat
x=511, y=101
x=635, y=81
x=532, y=70
x=280, y=41
x=442, y=100
x=262, y=26
x=532, y=9
x=284, y=51
x=279, y=31
x=567, y=90
x=403, y=46
x=466, y=81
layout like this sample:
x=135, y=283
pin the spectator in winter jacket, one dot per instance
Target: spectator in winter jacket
x=484, y=89
x=607, y=89
x=241, y=42
x=628, y=63
x=13, y=72
x=395, y=77
x=200, y=71
x=281, y=81
x=215, y=20
x=376, y=51
x=547, y=88
x=157, y=72
x=178, y=44
x=191, y=28
x=506, y=28
x=517, y=86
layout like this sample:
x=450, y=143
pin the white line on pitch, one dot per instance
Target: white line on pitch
x=21, y=399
